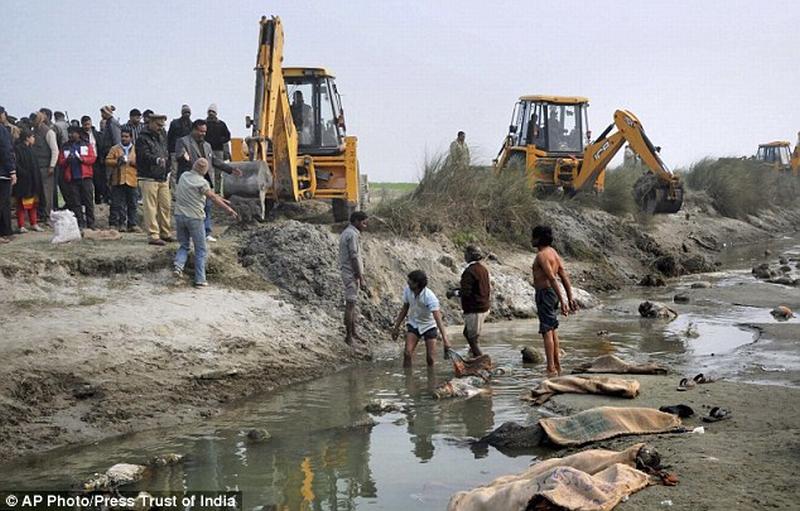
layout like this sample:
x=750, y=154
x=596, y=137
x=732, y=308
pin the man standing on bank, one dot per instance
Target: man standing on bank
x=546, y=266
x=351, y=264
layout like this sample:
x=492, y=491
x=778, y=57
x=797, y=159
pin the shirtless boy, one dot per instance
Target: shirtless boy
x=549, y=299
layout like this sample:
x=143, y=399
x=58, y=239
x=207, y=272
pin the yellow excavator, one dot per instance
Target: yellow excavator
x=779, y=155
x=298, y=150
x=549, y=139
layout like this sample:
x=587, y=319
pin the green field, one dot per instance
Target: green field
x=394, y=187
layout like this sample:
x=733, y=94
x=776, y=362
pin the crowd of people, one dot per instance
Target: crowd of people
x=50, y=163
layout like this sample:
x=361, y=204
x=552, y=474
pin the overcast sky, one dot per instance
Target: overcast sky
x=705, y=78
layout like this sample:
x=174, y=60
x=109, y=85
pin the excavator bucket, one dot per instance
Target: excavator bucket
x=656, y=197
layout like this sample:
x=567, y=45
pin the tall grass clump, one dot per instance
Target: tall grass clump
x=739, y=188
x=617, y=196
x=465, y=203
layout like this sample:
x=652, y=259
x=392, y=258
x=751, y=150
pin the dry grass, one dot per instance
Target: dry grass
x=467, y=204
x=739, y=188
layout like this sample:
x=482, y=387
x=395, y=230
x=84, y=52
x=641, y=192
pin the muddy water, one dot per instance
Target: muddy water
x=416, y=458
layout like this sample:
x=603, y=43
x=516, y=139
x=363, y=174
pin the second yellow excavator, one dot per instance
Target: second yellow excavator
x=780, y=156
x=550, y=140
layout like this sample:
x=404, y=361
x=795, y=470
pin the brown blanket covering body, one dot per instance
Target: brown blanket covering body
x=607, y=422
x=593, y=480
x=615, y=365
x=604, y=385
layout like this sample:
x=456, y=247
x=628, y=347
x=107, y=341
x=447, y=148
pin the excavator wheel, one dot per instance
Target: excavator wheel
x=652, y=196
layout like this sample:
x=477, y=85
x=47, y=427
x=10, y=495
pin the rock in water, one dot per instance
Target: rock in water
x=258, y=435
x=118, y=475
x=656, y=310
x=530, y=356
x=782, y=313
x=511, y=435
x=380, y=407
x=701, y=285
x=681, y=298
x=651, y=280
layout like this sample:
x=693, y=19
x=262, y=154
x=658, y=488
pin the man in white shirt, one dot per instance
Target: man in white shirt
x=423, y=318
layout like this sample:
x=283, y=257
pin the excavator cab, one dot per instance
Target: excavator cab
x=316, y=109
x=776, y=153
x=554, y=124
x=550, y=142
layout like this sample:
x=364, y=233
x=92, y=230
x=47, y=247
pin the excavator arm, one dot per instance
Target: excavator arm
x=658, y=191
x=272, y=123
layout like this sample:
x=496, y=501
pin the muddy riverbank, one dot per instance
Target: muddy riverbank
x=100, y=340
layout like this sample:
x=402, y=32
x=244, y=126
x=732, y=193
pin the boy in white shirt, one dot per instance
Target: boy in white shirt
x=424, y=318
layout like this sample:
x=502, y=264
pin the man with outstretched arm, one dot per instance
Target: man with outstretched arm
x=546, y=266
x=351, y=265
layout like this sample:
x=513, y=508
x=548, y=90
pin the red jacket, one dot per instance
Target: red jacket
x=87, y=158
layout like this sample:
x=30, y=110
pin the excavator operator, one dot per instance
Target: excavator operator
x=303, y=118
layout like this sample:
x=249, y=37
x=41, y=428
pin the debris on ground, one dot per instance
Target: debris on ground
x=118, y=475
x=656, y=310
x=782, y=313
x=460, y=387
x=531, y=356
x=512, y=436
x=614, y=364
x=258, y=435
x=380, y=407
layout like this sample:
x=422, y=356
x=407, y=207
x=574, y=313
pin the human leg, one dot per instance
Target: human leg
x=548, y=352
x=74, y=202
x=5, y=208
x=149, y=208
x=116, y=212
x=182, y=254
x=87, y=199
x=131, y=213
x=46, y=195
x=556, y=352
x=430, y=347
x=164, y=200
x=207, y=220
x=349, y=321
x=20, y=214
x=198, y=234
x=411, y=344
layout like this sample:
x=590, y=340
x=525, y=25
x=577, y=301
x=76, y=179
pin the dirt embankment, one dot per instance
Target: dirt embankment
x=99, y=339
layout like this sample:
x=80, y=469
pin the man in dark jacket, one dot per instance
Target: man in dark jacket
x=8, y=178
x=179, y=127
x=152, y=162
x=93, y=137
x=191, y=148
x=475, y=291
x=76, y=160
x=218, y=136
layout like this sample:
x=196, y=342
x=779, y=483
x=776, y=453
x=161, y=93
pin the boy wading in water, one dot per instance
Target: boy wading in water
x=424, y=318
x=546, y=266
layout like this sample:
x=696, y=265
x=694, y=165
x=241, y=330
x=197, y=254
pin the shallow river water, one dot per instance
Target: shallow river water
x=417, y=458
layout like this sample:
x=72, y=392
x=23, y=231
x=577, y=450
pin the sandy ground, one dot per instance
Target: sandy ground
x=745, y=462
